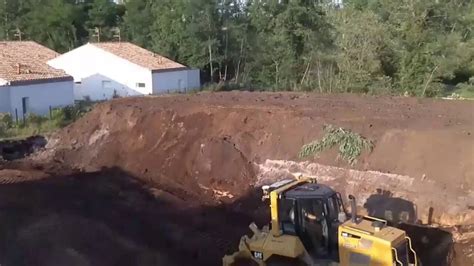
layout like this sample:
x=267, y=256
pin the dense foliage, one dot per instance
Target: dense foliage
x=411, y=47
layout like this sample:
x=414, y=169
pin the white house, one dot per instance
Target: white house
x=27, y=83
x=102, y=70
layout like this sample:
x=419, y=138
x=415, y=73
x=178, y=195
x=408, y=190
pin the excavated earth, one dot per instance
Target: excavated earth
x=174, y=180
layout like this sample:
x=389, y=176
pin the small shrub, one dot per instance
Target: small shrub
x=57, y=114
x=214, y=87
x=463, y=90
x=6, y=120
x=350, y=144
x=36, y=120
x=72, y=113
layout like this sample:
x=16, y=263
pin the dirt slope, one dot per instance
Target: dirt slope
x=213, y=139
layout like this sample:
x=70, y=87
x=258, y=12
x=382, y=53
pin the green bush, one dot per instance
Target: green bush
x=66, y=115
x=35, y=120
x=6, y=120
x=35, y=124
x=58, y=115
x=350, y=144
x=464, y=90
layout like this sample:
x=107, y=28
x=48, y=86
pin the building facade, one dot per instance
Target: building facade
x=102, y=71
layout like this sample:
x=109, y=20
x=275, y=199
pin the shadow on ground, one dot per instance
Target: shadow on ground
x=110, y=218
x=434, y=246
x=16, y=149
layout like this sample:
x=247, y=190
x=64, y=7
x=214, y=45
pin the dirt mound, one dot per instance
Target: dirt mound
x=160, y=146
x=212, y=140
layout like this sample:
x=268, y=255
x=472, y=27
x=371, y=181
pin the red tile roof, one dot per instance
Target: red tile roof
x=138, y=55
x=27, y=61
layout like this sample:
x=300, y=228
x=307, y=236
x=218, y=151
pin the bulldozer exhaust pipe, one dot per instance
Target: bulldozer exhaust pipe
x=353, y=209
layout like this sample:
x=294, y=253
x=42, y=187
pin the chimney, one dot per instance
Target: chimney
x=18, y=68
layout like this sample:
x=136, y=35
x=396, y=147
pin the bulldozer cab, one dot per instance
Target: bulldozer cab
x=313, y=212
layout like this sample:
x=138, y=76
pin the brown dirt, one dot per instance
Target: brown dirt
x=201, y=154
x=214, y=137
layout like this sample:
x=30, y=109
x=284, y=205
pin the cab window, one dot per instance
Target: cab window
x=287, y=216
x=335, y=207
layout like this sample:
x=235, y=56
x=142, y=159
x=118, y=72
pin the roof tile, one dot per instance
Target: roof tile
x=27, y=61
x=138, y=55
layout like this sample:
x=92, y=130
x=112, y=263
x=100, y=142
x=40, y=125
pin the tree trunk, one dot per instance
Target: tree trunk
x=331, y=75
x=305, y=72
x=428, y=81
x=276, y=74
x=210, y=59
x=237, y=75
x=225, y=54
x=319, y=76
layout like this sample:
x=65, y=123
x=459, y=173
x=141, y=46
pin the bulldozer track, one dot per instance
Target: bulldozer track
x=8, y=180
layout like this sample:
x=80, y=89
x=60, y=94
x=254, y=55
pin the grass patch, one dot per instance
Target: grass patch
x=461, y=91
x=37, y=125
x=350, y=144
x=465, y=91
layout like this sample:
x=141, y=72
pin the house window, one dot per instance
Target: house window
x=106, y=84
x=140, y=85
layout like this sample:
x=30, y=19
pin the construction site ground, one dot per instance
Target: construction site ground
x=175, y=180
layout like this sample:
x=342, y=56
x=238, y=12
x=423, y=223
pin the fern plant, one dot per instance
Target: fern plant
x=350, y=144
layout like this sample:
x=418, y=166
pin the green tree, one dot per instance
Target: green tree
x=421, y=47
x=363, y=59
x=168, y=28
x=289, y=36
x=11, y=13
x=51, y=23
x=188, y=31
x=427, y=41
x=103, y=19
x=137, y=20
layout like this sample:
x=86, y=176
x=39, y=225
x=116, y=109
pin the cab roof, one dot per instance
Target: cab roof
x=310, y=190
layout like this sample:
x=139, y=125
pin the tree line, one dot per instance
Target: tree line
x=413, y=47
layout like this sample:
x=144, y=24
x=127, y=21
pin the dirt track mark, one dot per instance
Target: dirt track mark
x=10, y=176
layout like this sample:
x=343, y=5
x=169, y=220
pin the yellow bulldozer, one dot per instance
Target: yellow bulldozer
x=310, y=226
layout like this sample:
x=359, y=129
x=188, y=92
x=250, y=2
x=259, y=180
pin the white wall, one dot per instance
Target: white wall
x=91, y=66
x=4, y=99
x=180, y=80
x=92, y=87
x=41, y=96
x=194, y=79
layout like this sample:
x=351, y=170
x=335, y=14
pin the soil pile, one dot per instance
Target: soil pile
x=211, y=141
